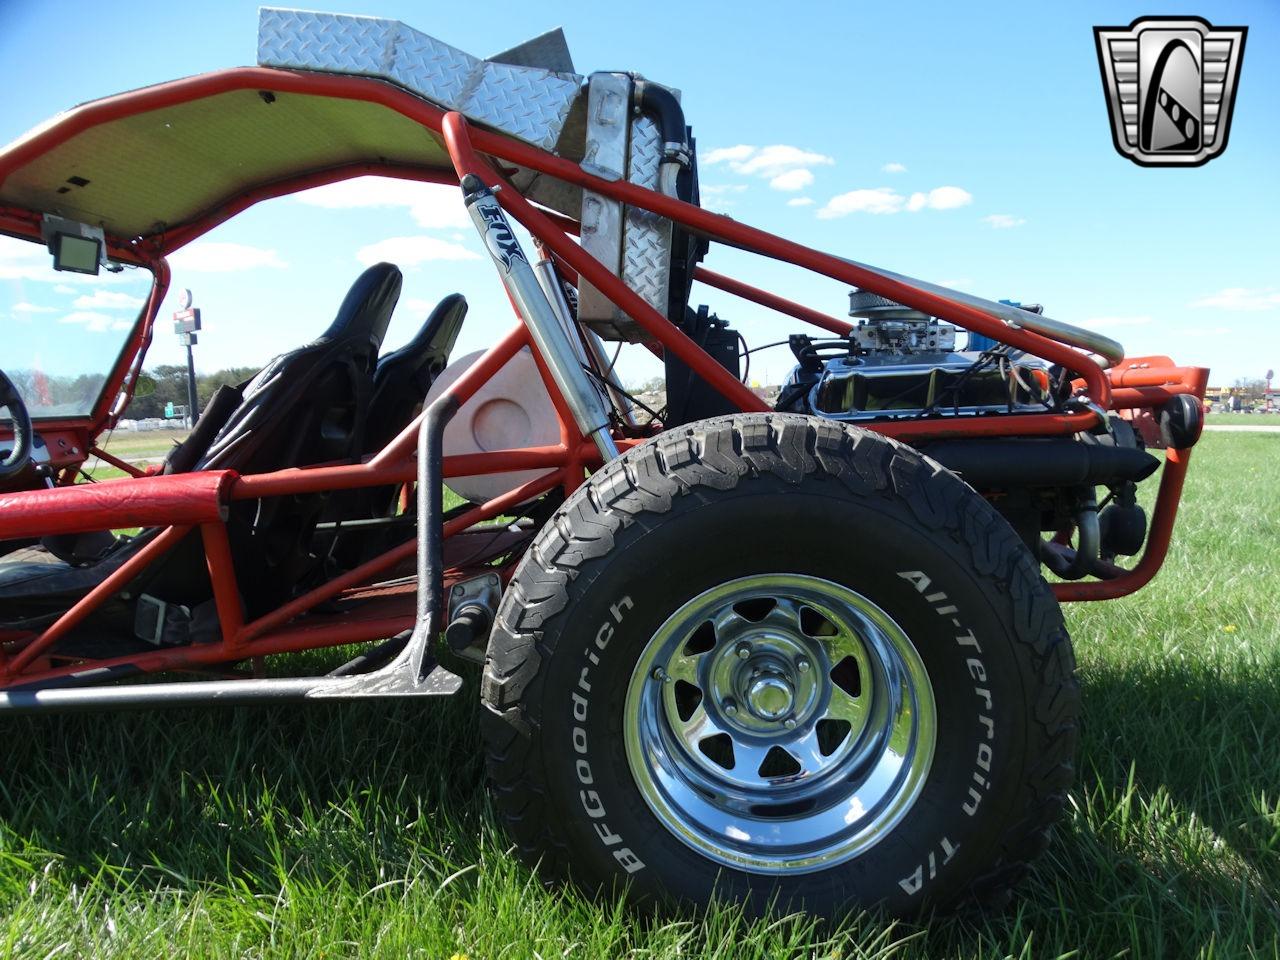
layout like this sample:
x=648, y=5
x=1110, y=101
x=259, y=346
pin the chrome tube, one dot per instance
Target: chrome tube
x=591, y=352
x=549, y=281
x=549, y=336
x=1110, y=351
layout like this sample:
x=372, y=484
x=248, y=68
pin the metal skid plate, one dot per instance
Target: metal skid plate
x=529, y=103
x=634, y=244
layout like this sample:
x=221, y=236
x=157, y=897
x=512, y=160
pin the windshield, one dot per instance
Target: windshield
x=61, y=333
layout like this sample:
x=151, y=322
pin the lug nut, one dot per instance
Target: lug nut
x=744, y=650
x=660, y=674
x=802, y=665
x=789, y=723
x=729, y=707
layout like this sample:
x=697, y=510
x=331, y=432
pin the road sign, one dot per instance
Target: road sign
x=184, y=299
x=187, y=340
x=186, y=321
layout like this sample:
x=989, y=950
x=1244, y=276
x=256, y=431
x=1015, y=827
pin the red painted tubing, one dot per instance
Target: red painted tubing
x=182, y=499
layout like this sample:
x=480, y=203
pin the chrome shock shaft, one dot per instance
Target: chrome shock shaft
x=549, y=337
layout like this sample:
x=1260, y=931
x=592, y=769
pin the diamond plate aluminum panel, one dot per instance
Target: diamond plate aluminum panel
x=298, y=40
x=527, y=103
x=524, y=102
x=440, y=72
x=646, y=237
x=634, y=244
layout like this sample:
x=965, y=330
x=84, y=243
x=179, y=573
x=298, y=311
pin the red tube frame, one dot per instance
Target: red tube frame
x=1143, y=383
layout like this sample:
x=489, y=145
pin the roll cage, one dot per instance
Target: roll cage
x=443, y=146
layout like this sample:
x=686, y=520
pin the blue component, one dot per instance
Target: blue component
x=979, y=341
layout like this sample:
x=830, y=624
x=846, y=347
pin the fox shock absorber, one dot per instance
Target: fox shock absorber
x=549, y=336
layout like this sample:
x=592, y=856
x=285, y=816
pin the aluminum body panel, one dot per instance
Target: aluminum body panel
x=634, y=244
x=608, y=112
x=526, y=102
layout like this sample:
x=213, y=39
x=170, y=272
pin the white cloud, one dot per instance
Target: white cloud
x=893, y=168
x=778, y=159
x=792, y=180
x=208, y=256
x=109, y=299
x=887, y=200
x=725, y=154
x=786, y=167
x=91, y=321
x=32, y=308
x=63, y=288
x=800, y=201
x=717, y=196
x=879, y=200
x=946, y=198
x=415, y=306
x=433, y=206
x=1108, y=323
x=20, y=260
x=1241, y=299
x=1003, y=221
x=408, y=251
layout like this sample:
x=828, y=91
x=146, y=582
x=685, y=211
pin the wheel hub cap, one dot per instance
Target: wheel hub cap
x=779, y=723
x=770, y=697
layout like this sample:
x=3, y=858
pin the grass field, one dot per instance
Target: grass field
x=363, y=829
x=134, y=446
x=1244, y=419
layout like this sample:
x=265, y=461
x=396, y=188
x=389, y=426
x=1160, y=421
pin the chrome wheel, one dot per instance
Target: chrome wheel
x=779, y=723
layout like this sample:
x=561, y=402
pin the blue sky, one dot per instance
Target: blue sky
x=993, y=112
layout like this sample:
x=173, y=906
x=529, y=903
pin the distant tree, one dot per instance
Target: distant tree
x=207, y=384
x=171, y=387
x=1250, y=388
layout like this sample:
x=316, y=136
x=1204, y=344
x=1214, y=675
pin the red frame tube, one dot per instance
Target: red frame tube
x=116, y=462
x=1166, y=512
x=772, y=301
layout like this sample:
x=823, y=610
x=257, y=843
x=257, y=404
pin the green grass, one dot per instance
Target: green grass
x=1244, y=419
x=128, y=445
x=363, y=829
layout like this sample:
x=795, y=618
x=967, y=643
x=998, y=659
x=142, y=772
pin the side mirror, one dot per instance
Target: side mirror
x=145, y=387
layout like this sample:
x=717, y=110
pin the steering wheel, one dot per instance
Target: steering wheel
x=20, y=455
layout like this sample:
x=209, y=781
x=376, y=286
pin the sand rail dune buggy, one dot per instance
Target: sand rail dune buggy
x=802, y=649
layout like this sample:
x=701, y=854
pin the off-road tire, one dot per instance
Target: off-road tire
x=753, y=493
